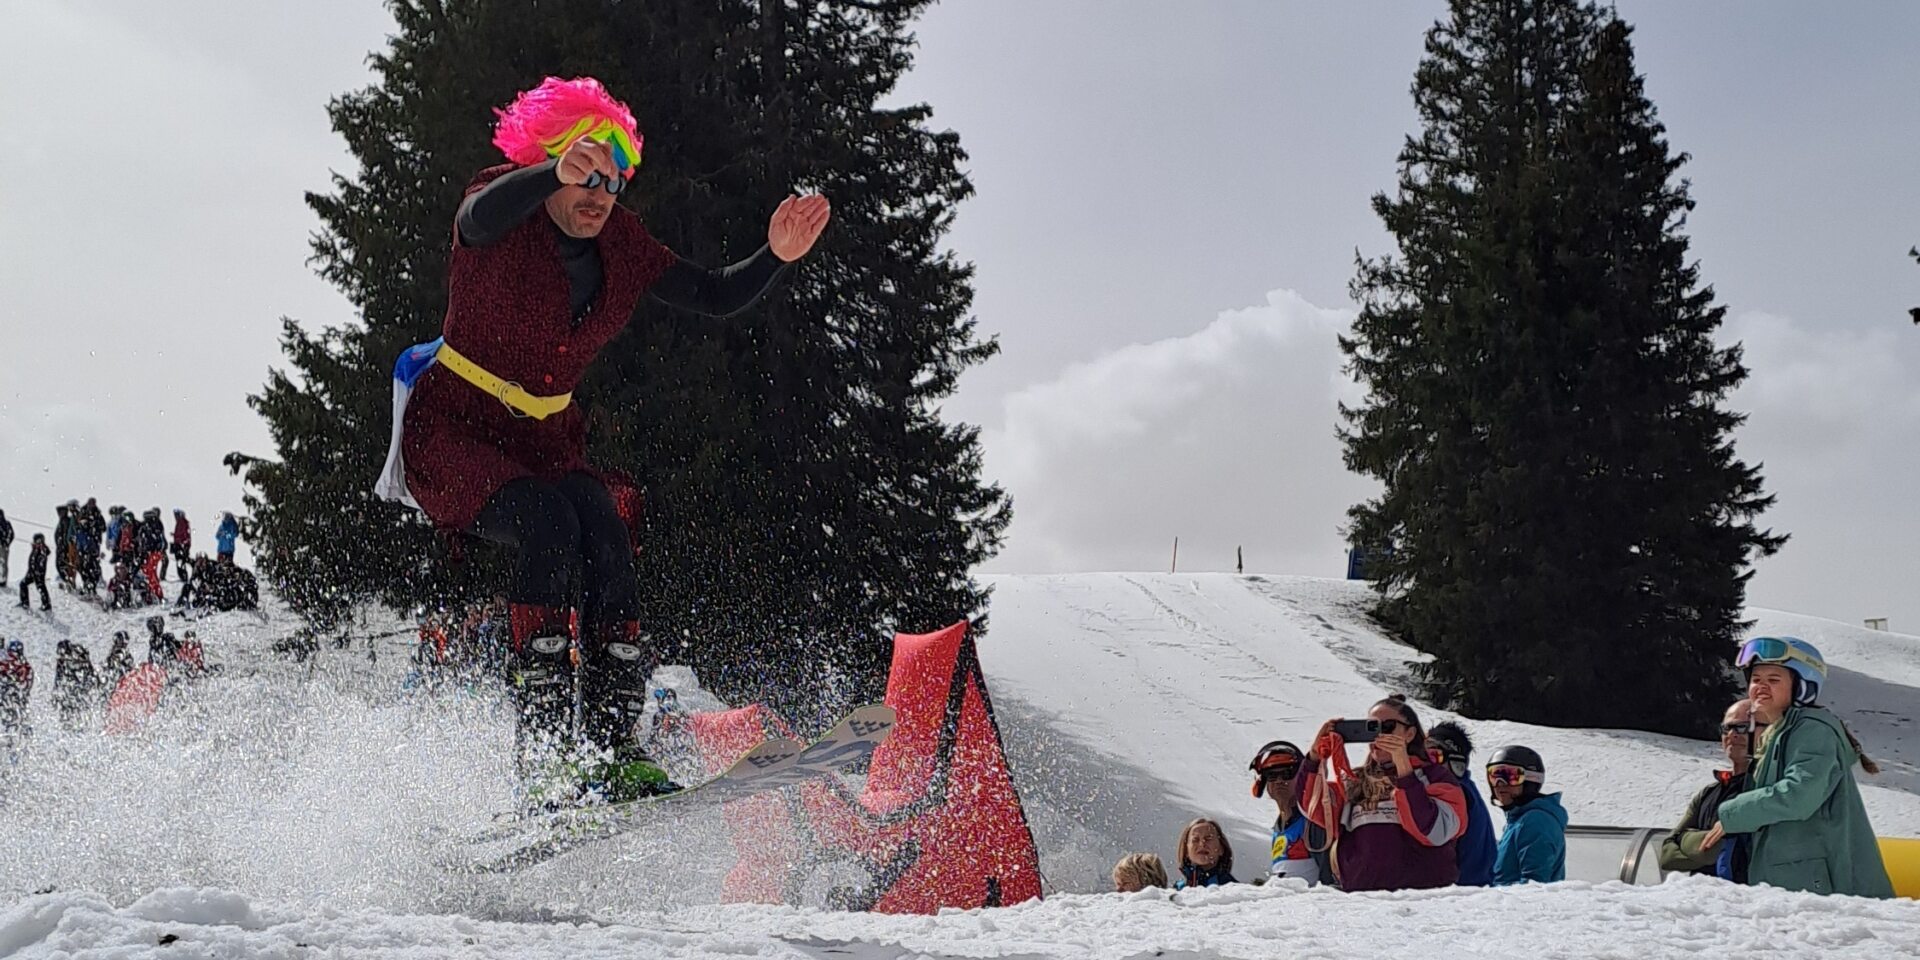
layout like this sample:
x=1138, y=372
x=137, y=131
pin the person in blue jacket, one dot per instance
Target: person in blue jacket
x=1449, y=744
x=224, y=537
x=1533, y=847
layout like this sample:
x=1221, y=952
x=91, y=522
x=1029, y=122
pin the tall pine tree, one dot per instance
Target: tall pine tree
x=1570, y=528
x=804, y=498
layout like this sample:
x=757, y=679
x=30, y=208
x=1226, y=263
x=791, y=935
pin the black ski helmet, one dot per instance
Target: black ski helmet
x=1519, y=756
x=1514, y=755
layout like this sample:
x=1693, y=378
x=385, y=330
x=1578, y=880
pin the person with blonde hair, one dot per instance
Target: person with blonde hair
x=1138, y=871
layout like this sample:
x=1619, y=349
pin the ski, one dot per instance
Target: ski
x=769, y=765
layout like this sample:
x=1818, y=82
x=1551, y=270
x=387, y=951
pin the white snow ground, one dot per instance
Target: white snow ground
x=297, y=811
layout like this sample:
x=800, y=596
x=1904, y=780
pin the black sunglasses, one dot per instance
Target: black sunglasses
x=1390, y=726
x=613, y=184
x=1727, y=728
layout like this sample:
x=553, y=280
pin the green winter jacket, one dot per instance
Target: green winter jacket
x=1809, y=829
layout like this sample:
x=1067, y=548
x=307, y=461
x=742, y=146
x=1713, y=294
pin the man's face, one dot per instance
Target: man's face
x=1733, y=731
x=580, y=212
x=1280, y=791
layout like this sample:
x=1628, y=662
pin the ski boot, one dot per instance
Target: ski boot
x=540, y=680
x=614, y=676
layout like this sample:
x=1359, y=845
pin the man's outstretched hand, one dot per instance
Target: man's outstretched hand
x=796, y=225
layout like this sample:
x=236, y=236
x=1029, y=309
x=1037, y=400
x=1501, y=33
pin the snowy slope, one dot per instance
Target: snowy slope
x=301, y=810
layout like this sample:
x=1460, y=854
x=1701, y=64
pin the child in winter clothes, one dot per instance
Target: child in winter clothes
x=1138, y=871
x=1206, y=859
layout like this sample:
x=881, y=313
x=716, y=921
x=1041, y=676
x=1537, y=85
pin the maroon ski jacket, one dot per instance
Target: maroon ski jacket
x=508, y=311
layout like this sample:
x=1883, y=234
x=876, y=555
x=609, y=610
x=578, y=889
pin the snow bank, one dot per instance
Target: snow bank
x=1679, y=919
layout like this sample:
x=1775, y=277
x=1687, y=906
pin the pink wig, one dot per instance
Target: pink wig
x=544, y=121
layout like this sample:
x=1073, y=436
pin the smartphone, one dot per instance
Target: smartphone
x=1357, y=731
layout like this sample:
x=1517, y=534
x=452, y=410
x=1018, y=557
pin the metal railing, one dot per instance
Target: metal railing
x=1627, y=854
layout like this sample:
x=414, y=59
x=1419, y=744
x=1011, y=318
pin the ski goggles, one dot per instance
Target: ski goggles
x=1452, y=761
x=1279, y=769
x=1509, y=773
x=1775, y=650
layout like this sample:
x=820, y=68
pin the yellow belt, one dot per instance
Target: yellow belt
x=508, y=392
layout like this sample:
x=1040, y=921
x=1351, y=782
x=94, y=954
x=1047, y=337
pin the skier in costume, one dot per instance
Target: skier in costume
x=546, y=268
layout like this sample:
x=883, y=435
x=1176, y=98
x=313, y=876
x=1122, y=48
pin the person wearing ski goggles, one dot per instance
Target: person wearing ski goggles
x=1533, y=847
x=1800, y=825
x=1449, y=744
x=1294, y=839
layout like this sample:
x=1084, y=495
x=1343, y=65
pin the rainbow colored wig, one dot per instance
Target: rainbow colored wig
x=545, y=121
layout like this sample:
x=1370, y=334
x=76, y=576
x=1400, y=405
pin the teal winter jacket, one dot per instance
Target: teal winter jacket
x=1809, y=829
x=1533, y=847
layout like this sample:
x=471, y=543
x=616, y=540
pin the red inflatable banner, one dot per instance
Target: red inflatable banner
x=939, y=823
x=766, y=836
x=136, y=699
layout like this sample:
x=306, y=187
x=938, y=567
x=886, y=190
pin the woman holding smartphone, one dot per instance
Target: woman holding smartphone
x=1393, y=823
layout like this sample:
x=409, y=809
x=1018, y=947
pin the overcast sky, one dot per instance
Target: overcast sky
x=1171, y=196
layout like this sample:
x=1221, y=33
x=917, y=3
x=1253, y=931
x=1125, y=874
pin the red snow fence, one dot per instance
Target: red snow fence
x=939, y=823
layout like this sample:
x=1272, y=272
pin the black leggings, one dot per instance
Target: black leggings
x=565, y=528
x=39, y=581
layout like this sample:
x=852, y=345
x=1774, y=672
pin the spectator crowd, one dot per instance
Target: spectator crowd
x=1786, y=812
x=462, y=645
x=86, y=696
x=139, y=549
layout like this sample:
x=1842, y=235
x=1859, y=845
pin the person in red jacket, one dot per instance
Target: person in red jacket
x=545, y=269
x=182, y=546
x=16, y=688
